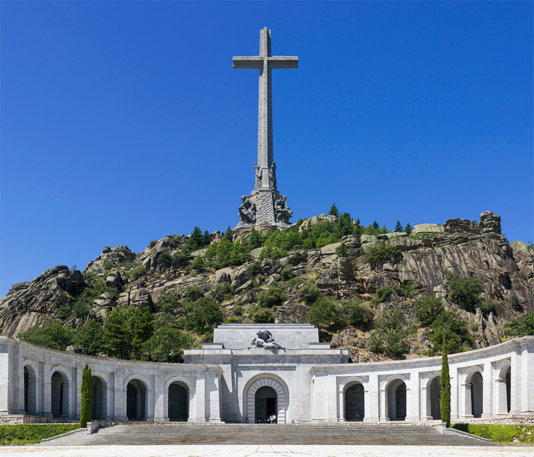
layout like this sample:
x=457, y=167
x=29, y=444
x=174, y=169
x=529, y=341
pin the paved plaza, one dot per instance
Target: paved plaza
x=268, y=451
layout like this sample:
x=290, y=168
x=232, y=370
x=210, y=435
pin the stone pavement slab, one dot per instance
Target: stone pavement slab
x=267, y=451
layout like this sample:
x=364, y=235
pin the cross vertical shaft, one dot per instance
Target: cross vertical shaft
x=265, y=205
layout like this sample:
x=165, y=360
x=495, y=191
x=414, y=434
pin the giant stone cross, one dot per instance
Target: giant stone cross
x=265, y=205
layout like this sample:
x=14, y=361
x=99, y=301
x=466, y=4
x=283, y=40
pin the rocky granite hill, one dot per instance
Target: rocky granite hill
x=367, y=289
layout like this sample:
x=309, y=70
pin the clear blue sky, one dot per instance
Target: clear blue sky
x=124, y=121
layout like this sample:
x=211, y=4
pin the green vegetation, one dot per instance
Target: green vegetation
x=383, y=294
x=329, y=315
x=202, y=315
x=89, y=336
x=382, y=252
x=516, y=303
x=389, y=336
x=500, y=433
x=95, y=286
x=443, y=325
x=309, y=293
x=355, y=314
x=273, y=296
x=32, y=433
x=522, y=326
x=465, y=291
x=262, y=316
x=86, y=401
x=445, y=386
x=324, y=314
x=333, y=210
x=50, y=334
x=167, y=344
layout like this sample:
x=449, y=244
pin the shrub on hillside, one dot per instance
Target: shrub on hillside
x=273, y=296
x=167, y=344
x=382, y=252
x=324, y=314
x=49, y=334
x=309, y=293
x=389, y=337
x=202, y=315
x=356, y=314
x=522, y=326
x=443, y=325
x=465, y=291
x=262, y=316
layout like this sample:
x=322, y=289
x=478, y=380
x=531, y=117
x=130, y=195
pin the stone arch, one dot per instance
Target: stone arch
x=136, y=398
x=266, y=380
x=354, y=404
x=59, y=393
x=168, y=404
x=30, y=389
x=99, y=405
x=178, y=402
x=475, y=399
x=396, y=399
x=503, y=387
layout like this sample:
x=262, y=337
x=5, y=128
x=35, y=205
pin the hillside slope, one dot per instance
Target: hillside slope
x=354, y=283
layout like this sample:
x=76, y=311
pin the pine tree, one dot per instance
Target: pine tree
x=116, y=335
x=398, y=227
x=408, y=228
x=445, y=383
x=87, y=397
x=333, y=210
x=143, y=328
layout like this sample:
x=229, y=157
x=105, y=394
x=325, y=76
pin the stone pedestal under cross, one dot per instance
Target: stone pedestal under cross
x=265, y=205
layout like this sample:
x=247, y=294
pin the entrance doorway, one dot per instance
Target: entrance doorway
x=178, y=402
x=265, y=405
x=135, y=400
x=98, y=409
x=354, y=403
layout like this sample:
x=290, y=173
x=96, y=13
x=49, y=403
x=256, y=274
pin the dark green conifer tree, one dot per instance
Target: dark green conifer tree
x=87, y=397
x=408, y=228
x=398, y=227
x=445, y=384
x=333, y=210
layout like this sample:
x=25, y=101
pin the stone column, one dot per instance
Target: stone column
x=4, y=378
x=119, y=398
x=341, y=403
x=47, y=388
x=110, y=397
x=150, y=392
x=200, y=399
x=527, y=380
x=161, y=413
x=383, y=399
x=213, y=401
x=455, y=387
x=515, y=382
x=487, y=390
x=412, y=398
x=372, y=400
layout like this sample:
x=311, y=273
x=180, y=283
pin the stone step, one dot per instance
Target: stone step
x=342, y=434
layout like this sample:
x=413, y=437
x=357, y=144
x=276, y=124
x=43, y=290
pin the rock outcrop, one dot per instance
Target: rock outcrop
x=340, y=270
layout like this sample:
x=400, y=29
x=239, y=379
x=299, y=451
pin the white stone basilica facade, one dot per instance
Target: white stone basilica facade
x=254, y=371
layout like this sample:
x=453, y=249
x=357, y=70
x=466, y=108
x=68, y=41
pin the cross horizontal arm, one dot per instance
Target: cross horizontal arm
x=247, y=62
x=283, y=61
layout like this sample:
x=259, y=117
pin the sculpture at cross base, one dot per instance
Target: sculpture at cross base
x=265, y=205
x=264, y=339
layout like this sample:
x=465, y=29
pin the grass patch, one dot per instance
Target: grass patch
x=32, y=433
x=500, y=433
